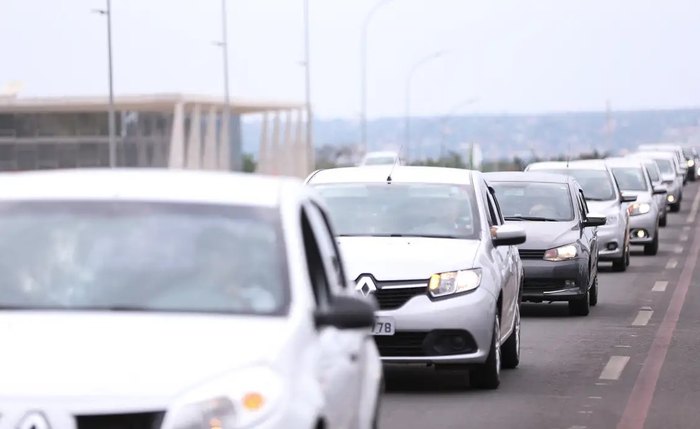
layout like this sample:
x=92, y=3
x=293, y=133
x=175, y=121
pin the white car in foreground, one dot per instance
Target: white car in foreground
x=177, y=300
x=431, y=245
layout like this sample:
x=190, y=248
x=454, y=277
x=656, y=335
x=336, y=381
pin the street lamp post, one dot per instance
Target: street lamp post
x=307, y=79
x=227, y=100
x=409, y=81
x=363, y=71
x=112, y=139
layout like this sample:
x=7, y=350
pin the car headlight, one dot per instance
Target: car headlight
x=563, y=253
x=691, y=163
x=237, y=400
x=454, y=282
x=670, y=198
x=639, y=209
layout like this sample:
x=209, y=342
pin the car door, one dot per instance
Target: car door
x=342, y=351
x=505, y=257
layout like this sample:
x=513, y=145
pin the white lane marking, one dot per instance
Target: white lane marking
x=613, y=369
x=622, y=346
x=686, y=228
x=678, y=250
x=684, y=238
x=642, y=318
x=660, y=286
x=672, y=263
x=578, y=427
x=595, y=397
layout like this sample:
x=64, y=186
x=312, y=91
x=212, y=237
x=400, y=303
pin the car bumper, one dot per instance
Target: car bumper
x=554, y=281
x=607, y=236
x=422, y=322
x=646, y=223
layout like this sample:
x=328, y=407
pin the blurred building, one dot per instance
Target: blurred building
x=165, y=131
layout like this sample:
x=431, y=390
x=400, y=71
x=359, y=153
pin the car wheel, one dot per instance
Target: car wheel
x=620, y=264
x=510, y=350
x=663, y=220
x=488, y=375
x=593, y=294
x=676, y=207
x=653, y=248
x=580, y=306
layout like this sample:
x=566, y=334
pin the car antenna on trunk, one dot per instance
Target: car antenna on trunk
x=393, y=166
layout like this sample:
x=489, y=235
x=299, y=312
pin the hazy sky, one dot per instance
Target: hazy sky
x=514, y=55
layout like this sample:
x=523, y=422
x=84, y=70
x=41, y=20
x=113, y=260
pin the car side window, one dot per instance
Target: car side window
x=314, y=261
x=328, y=237
x=494, y=217
x=329, y=251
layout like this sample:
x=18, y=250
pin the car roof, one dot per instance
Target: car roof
x=624, y=162
x=585, y=164
x=674, y=146
x=654, y=154
x=399, y=174
x=527, y=176
x=152, y=185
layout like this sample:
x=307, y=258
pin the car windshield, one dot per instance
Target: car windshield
x=137, y=256
x=653, y=171
x=402, y=209
x=630, y=178
x=596, y=184
x=665, y=166
x=380, y=160
x=537, y=201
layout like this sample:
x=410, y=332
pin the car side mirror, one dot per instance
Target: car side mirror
x=346, y=312
x=660, y=190
x=508, y=235
x=627, y=198
x=594, y=220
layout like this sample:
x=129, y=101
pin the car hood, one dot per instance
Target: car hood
x=607, y=208
x=546, y=235
x=139, y=360
x=406, y=258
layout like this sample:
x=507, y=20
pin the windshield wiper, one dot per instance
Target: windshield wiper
x=596, y=199
x=532, y=218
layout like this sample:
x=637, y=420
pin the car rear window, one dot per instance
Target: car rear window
x=630, y=178
x=142, y=257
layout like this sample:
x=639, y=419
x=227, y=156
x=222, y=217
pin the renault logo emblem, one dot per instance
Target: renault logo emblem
x=365, y=285
x=34, y=420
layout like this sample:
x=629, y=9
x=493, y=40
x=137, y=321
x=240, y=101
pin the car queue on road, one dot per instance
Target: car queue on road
x=282, y=290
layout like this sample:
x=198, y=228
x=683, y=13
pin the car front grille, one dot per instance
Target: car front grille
x=150, y=420
x=531, y=254
x=433, y=343
x=393, y=298
x=543, y=284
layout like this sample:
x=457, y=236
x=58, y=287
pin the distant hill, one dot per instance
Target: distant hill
x=506, y=136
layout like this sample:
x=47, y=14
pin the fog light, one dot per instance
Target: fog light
x=671, y=199
x=458, y=343
x=570, y=283
x=611, y=246
x=641, y=233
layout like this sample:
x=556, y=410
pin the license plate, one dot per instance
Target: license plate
x=384, y=326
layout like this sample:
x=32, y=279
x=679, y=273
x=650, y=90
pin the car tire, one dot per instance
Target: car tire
x=664, y=220
x=653, y=248
x=488, y=374
x=620, y=264
x=580, y=306
x=593, y=294
x=675, y=207
x=510, y=350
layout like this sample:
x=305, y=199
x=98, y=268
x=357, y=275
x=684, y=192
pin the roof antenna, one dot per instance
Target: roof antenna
x=568, y=155
x=396, y=161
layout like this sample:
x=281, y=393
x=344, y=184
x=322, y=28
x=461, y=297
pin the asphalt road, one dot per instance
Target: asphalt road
x=633, y=363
